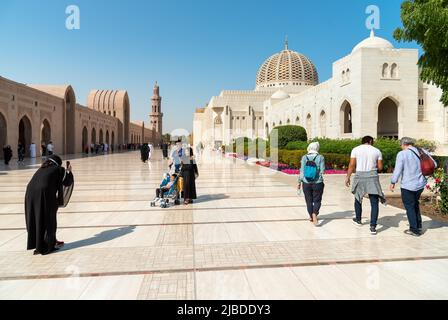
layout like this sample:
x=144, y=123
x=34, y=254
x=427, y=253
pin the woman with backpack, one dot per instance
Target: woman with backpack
x=311, y=180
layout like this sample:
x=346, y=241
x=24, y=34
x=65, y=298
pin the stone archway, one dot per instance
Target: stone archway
x=101, y=138
x=3, y=133
x=93, y=137
x=85, y=140
x=309, y=126
x=25, y=133
x=113, y=139
x=70, y=110
x=346, y=118
x=323, y=124
x=387, y=118
x=107, y=136
x=45, y=132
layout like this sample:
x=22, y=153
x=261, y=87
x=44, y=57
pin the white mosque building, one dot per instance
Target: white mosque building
x=374, y=90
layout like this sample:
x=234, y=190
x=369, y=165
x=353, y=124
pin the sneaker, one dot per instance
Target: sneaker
x=357, y=222
x=412, y=233
x=373, y=230
x=59, y=244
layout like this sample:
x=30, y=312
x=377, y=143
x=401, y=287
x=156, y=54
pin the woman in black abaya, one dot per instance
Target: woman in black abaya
x=49, y=189
x=144, y=152
x=189, y=173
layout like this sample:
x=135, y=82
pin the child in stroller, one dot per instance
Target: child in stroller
x=166, y=191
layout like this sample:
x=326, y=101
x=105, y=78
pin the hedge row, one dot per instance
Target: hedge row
x=332, y=160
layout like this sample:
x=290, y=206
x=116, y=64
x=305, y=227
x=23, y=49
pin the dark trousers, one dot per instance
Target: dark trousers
x=313, y=196
x=160, y=192
x=411, y=201
x=374, y=203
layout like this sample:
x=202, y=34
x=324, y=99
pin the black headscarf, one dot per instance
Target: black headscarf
x=52, y=160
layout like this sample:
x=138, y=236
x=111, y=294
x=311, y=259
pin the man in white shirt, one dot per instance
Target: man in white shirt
x=50, y=148
x=367, y=161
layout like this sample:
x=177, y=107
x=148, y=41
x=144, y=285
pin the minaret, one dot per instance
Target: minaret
x=156, y=115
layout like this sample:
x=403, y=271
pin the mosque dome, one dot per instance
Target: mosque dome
x=373, y=42
x=287, y=68
x=280, y=94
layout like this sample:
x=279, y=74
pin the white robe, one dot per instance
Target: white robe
x=33, y=151
x=150, y=151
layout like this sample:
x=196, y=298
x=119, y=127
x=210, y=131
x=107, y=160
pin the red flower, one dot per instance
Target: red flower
x=428, y=187
x=438, y=180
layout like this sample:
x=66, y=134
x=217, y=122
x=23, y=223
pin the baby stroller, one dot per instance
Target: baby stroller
x=172, y=195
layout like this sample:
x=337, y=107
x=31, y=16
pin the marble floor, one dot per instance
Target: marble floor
x=246, y=237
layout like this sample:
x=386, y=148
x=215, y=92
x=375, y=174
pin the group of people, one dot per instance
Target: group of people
x=182, y=167
x=47, y=150
x=366, y=162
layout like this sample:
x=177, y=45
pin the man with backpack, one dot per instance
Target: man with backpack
x=311, y=176
x=412, y=166
x=367, y=161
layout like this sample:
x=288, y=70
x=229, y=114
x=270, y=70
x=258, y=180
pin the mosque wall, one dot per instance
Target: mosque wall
x=43, y=113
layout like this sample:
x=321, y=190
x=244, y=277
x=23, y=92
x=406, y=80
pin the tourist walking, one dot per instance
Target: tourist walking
x=311, y=180
x=50, y=148
x=144, y=152
x=408, y=168
x=7, y=154
x=189, y=173
x=21, y=152
x=151, y=150
x=165, y=150
x=367, y=161
x=176, y=156
x=49, y=189
x=33, y=150
x=43, y=146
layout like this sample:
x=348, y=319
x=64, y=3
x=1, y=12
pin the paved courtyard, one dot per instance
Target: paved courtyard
x=247, y=237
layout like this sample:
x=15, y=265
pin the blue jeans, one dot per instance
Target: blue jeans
x=411, y=201
x=374, y=203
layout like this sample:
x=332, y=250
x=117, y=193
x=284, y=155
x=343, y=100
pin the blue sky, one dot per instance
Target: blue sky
x=193, y=48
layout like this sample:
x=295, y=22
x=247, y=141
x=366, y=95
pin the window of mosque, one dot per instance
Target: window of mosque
x=13, y=98
x=394, y=71
x=35, y=103
x=385, y=70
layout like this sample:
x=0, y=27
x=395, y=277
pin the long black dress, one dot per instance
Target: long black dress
x=44, y=195
x=165, y=150
x=144, y=152
x=189, y=172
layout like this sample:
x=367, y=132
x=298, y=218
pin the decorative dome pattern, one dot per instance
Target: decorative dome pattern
x=287, y=68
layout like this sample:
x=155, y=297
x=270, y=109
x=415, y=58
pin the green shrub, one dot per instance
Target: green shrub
x=389, y=148
x=431, y=146
x=294, y=157
x=288, y=134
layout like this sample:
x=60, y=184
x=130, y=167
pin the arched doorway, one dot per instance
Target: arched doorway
x=107, y=136
x=3, y=133
x=93, y=137
x=309, y=126
x=346, y=118
x=101, y=137
x=25, y=133
x=85, y=140
x=323, y=124
x=70, y=109
x=45, y=132
x=388, y=119
x=113, y=139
